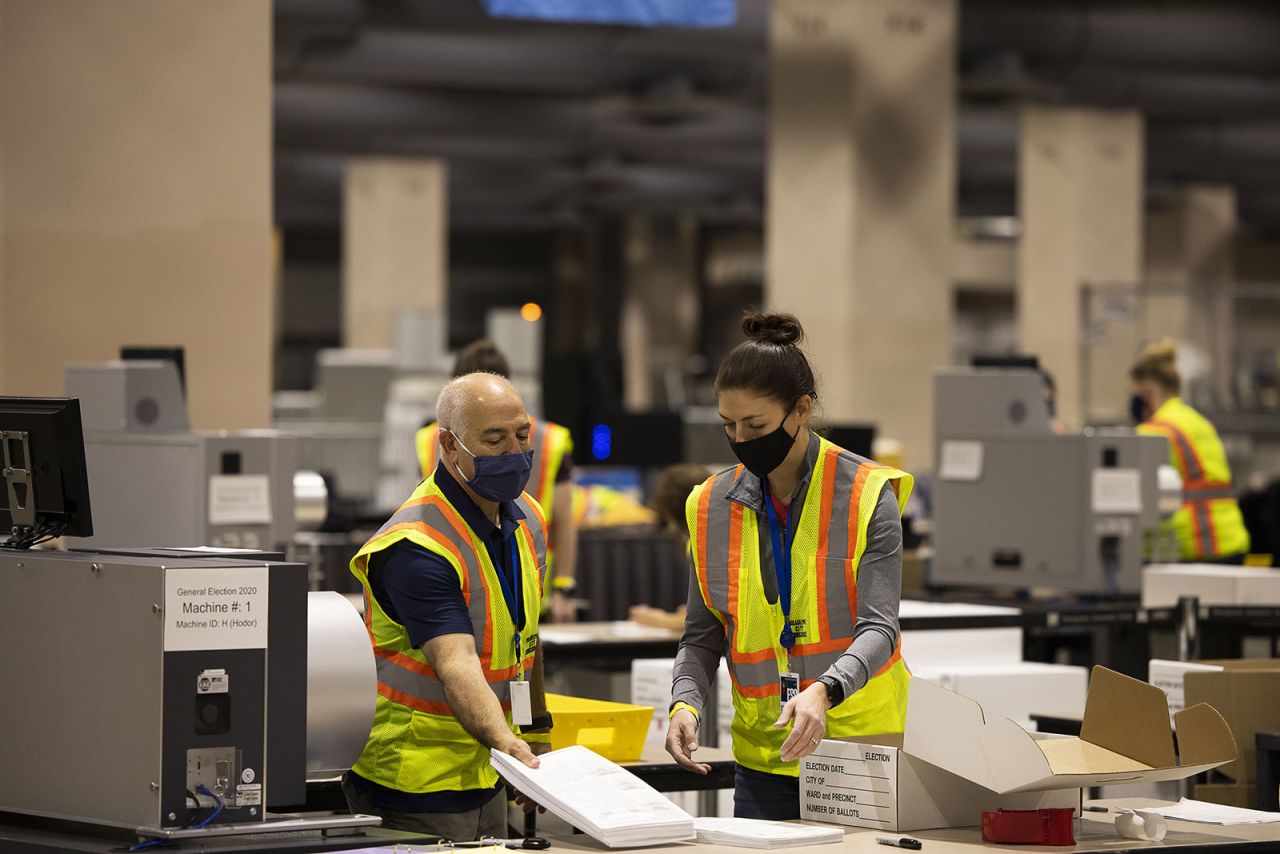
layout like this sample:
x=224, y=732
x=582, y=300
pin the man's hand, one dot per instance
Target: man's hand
x=518, y=749
x=563, y=609
x=807, y=713
x=682, y=740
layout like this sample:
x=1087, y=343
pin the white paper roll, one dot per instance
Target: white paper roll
x=341, y=684
x=1147, y=826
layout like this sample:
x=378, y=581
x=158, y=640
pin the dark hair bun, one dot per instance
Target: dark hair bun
x=780, y=329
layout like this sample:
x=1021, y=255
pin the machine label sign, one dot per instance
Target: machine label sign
x=215, y=608
x=240, y=499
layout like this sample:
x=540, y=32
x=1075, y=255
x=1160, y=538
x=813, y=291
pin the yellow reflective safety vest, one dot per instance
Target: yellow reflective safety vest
x=1209, y=523
x=829, y=540
x=550, y=443
x=416, y=743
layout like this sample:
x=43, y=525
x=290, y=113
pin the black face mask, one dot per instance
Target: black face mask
x=763, y=454
x=1137, y=408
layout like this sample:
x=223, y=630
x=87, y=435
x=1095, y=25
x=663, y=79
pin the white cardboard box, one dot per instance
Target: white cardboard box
x=1213, y=584
x=935, y=648
x=1124, y=738
x=1016, y=690
x=873, y=783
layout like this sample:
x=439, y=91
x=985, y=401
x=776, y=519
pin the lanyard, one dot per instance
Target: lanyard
x=781, y=539
x=513, y=593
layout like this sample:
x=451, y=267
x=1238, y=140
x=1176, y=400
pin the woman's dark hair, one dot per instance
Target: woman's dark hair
x=769, y=363
x=481, y=356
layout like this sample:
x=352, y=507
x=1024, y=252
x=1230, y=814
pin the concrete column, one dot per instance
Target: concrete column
x=135, y=159
x=1189, y=257
x=395, y=245
x=659, y=322
x=861, y=202
x=1080, y=196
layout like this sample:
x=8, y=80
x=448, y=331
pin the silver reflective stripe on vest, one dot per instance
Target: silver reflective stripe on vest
x=424, y=687
x=1194, y=471
x=1208, y=493
x=539, y=535
x=719, y=519
x=839, y=549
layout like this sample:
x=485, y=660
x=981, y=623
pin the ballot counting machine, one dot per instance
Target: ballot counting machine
x=164, y=692
x=1017, y=505
x=166, y=485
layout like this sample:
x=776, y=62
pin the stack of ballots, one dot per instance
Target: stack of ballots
x=598, y=797
x=755, y=833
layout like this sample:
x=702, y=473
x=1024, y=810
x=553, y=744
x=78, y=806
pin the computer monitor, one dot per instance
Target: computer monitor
x=46, y=488
x=1031, y=363
x=638, y=439
x=857, y=438
x=177, y=355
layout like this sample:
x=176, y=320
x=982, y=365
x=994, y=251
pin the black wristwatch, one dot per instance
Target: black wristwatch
x=542, y=721
x=835, y=692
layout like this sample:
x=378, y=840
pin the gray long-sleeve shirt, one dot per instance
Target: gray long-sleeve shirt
x=876, y=632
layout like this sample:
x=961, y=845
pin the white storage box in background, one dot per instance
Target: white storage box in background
x=1167, y=676
x=872, y=783
x=1016, y=691
x=932, y=648
x=651, y=686
x=1212, y=584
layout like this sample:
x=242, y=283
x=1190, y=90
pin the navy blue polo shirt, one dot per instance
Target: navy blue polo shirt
x=420, y=590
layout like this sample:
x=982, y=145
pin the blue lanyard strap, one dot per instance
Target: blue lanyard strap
x=513, y=593
x=781, y=540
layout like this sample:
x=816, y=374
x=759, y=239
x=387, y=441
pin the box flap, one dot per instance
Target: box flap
x=943, y=728
x=1011, y=755
x=1129, y=717
x=1203, y=736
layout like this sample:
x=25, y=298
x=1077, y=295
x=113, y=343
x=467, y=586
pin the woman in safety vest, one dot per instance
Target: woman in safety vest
x=1208, y=526
x=796, y=575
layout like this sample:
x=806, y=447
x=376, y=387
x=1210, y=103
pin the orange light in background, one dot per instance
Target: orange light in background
x=531, y=311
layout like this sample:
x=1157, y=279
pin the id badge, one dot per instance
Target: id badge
x=521, y=704
x=789, y=685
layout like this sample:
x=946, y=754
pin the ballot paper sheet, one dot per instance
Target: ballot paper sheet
x=755, y=833
x=598, y=797
x=1207, y=813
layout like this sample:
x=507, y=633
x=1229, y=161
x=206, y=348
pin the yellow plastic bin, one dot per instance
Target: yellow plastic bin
x=614, y=730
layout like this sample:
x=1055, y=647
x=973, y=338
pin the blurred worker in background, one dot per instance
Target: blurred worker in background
x=551, y=483
x=1208, y=525
x=669, y=497
x=452, y=596
x=797, y=563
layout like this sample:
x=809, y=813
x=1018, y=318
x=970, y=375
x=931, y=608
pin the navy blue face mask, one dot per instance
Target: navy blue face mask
x=1137, y=408
x=500, y=478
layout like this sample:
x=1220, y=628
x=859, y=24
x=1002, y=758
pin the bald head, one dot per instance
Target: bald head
x=487, y=414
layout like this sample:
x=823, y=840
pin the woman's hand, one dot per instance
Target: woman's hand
x=807, y=713
x=682, y=740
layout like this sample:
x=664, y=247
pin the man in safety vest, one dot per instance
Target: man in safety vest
x=1208, y=526
x=452, y=588
x=551, y=482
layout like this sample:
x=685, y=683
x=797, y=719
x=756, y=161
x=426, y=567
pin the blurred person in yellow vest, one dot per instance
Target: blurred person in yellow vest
x=797, y=563
x=669, y=496
x=452, y=589
x=551, y=482
x=1208, y=526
